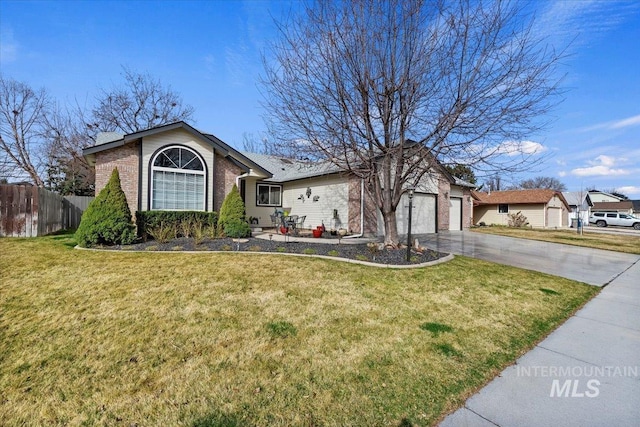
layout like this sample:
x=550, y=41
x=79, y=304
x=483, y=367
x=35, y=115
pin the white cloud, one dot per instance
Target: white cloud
x=629, y=190
x=562, y=174
x=614, y=124
x=603, y=166
x=514, y=148
x=631, y=121
x=8, y=46
x=581, y=22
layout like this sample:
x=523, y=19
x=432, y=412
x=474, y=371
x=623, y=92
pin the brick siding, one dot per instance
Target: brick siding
x=444, y=190
x=224, y=178
x=124, y=158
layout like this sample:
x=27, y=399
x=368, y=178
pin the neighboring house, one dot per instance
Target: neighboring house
x=579, y=201
x=543, y=208
x=636, y=207
x=625, y=206
x=176, y=167
x=601, y=196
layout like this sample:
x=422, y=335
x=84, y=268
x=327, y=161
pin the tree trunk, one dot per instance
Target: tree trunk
x=390, y=229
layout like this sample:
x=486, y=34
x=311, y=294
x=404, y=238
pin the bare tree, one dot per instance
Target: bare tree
x=380, y=88
x=68, y=172
x=142, y=103
x=253, y=145
x=544, y=182
x=23, y=112
x=494, y=183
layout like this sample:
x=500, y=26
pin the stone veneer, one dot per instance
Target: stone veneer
x=225, y=174
x=126, y=159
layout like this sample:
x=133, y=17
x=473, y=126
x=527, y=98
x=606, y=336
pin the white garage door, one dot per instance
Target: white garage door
x=554, y=217
x=423, y=219
x=455, y=214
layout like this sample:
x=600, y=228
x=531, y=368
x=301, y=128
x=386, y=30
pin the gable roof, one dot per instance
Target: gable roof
x=604, y=193
x=218, y=145
x=517, y=197
x=575, y=198
x=285, y=169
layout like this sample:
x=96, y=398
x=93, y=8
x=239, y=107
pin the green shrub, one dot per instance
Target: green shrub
x=237, y=228
x=232, y=209
x=107, y=220
x=183, y=222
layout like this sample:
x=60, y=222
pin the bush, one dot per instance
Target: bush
x=232, y=209
x=237, y=228
x=185, y=223
x=107, y=219
x=517, y=219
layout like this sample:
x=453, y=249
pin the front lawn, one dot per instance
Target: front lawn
x=118, y=338
x=610, y=242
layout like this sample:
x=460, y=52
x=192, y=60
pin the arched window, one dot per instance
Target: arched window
x=178, y=180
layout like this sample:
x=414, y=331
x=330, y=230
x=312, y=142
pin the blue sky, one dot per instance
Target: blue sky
x=210, y=52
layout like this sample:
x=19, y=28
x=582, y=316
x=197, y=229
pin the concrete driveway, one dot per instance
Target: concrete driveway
x=592, y=266
x=585, y=373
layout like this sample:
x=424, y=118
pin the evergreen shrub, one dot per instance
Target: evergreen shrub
x=107, y=220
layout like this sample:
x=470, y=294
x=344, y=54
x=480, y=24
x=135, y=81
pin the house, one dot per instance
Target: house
x=177, y=167
x=601, y=196
x=580, y=204
x=543, y=208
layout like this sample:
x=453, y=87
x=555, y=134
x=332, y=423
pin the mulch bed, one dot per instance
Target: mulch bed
x=359, y=251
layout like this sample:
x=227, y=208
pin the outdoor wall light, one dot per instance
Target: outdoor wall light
x=316, y=198
x=308, y=192
x=301, y=197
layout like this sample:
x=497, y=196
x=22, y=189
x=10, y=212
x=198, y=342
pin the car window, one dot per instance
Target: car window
x=612, y=215
x=598, y=214
x=625, y=216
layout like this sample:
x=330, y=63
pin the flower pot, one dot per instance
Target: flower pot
x=317, y=233
x=342, y=232
x=283, y=230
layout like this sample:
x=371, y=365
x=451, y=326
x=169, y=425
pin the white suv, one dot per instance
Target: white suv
x=603, y=219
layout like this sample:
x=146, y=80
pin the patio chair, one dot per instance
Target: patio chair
x=300, y=221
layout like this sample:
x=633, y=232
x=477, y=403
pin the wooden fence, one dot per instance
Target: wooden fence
x=28, y=211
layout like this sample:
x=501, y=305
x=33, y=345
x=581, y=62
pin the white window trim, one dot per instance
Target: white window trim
x=180, y=171
x=270, y=186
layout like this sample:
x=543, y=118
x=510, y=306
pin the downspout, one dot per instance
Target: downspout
x=239, y=177
x=361, y=213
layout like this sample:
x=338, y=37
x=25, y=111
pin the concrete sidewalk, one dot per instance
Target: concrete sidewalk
x=586, y=373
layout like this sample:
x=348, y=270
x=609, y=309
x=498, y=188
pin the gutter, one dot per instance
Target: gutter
x=361, y=213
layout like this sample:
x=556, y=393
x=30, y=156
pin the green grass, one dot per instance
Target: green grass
x=122, y=338
x=610, y=242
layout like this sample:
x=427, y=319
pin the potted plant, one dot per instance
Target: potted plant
x=317, y=232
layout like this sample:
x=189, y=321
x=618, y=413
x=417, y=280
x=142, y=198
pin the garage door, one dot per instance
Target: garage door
x=455, y=214
x=554, y=217
x=423, y=219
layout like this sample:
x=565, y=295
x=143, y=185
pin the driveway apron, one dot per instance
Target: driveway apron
x=585, y=373
x=593, y=266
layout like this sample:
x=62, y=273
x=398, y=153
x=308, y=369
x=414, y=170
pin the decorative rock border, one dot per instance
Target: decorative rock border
x=447, y=258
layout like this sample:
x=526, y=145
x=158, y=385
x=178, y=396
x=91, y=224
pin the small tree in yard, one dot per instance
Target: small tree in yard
x=107, y=220
x=380, y=89
x=231, y=220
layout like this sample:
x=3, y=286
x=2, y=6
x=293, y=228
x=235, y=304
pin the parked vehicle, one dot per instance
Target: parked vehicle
x=604, y=219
